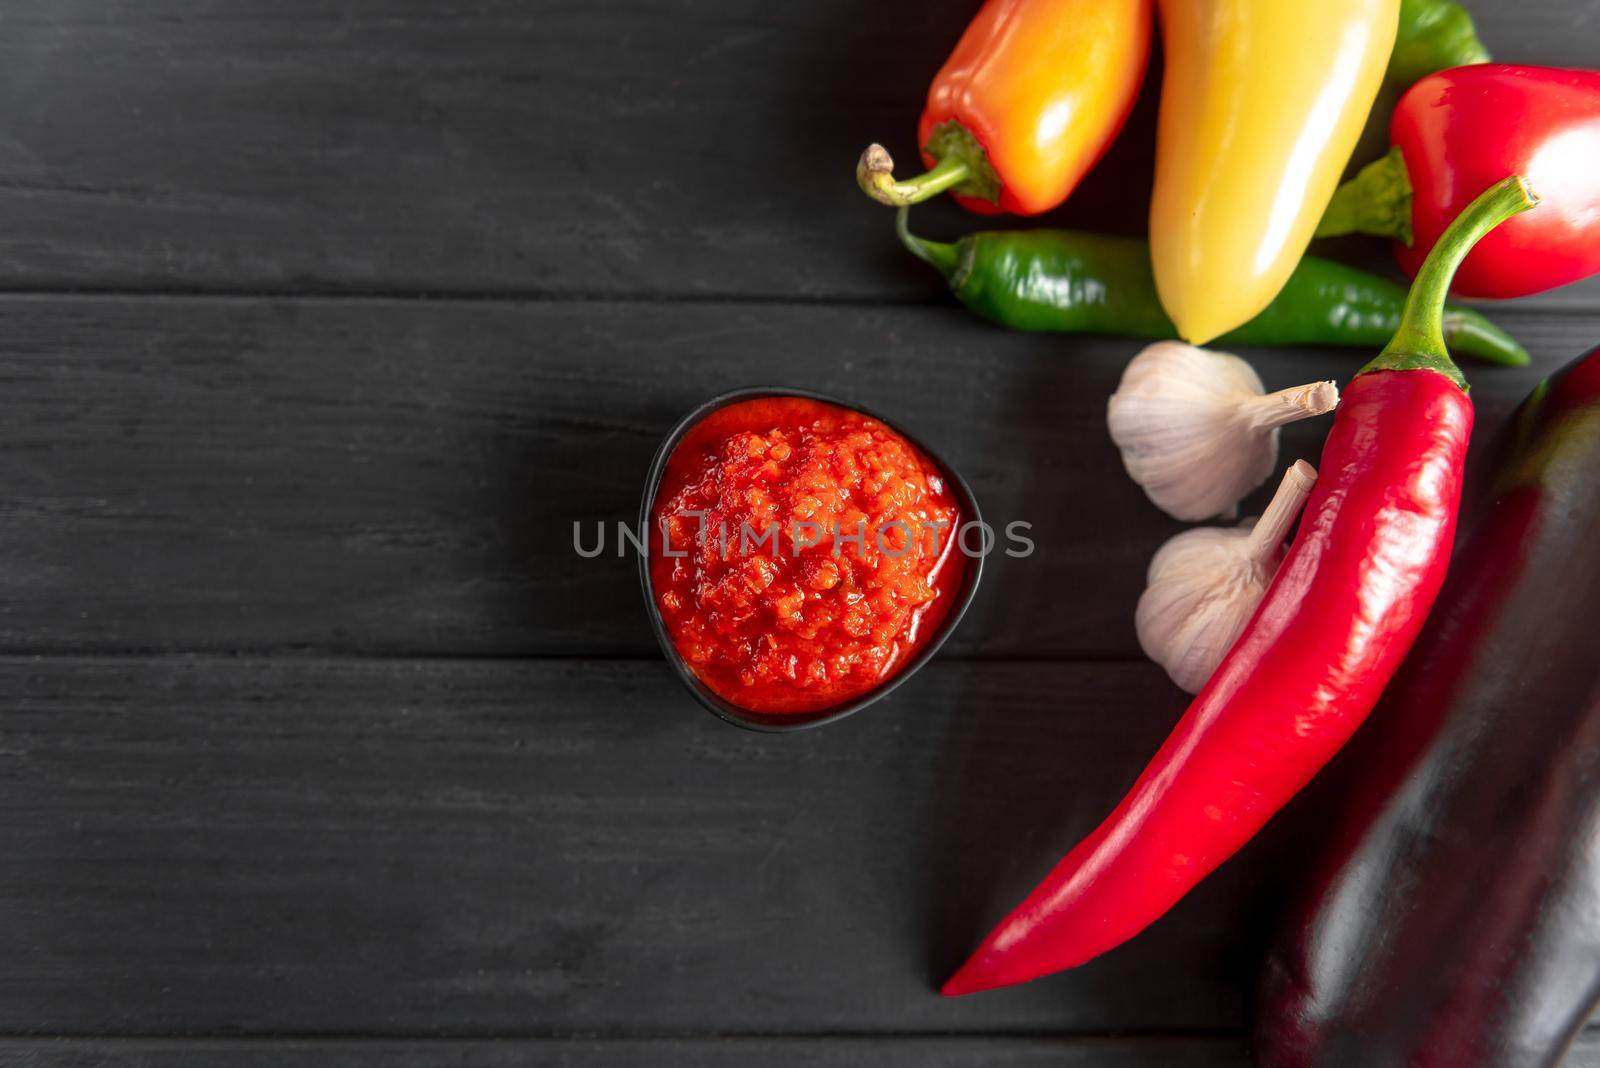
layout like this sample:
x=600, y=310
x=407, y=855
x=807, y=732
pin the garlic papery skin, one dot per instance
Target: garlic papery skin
x=1205, y=584
x=1198, y=431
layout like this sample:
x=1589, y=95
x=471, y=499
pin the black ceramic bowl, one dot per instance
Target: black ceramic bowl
x=763, y=721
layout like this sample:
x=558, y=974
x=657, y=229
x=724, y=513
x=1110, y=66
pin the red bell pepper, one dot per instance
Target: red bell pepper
x=1454, y=133
x=1335, y=623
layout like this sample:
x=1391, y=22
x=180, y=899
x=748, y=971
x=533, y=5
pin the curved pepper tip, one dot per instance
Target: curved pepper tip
x=963, y=982
x=979, y=973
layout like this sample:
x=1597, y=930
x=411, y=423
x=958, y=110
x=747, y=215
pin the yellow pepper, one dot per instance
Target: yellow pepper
x=1260, y=108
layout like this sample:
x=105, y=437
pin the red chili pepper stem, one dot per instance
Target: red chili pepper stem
x=1376, y=201
x=1418, y=345
x=961, y=165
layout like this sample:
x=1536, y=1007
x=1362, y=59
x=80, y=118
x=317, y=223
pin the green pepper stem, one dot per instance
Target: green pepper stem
x=1376, y=201
x=943, y=256
x=875, y=176
x=1419, y=342
x=962, y=165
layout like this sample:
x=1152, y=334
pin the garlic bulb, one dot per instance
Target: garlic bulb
x=1197, y=432
x=1204, y=584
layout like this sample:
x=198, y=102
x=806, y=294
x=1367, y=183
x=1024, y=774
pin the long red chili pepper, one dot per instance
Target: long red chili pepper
x=1368, y=559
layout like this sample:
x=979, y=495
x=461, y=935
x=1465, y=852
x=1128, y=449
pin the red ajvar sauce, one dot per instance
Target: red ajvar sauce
x=783, y=625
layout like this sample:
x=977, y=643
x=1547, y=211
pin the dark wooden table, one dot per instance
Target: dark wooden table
x=322, y=325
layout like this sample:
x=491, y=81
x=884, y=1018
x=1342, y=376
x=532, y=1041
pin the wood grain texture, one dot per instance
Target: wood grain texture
x=376, y=300
x=397, y=477
x=684, y=147
x=472, y=848
x=859, y=1052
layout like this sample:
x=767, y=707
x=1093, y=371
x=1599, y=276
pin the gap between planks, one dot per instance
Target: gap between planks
x=1559, y=306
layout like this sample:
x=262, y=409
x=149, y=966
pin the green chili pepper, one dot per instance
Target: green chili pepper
x=1434, y=34
x=1073, y=282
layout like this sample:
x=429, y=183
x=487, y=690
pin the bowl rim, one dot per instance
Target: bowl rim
x=774, y=723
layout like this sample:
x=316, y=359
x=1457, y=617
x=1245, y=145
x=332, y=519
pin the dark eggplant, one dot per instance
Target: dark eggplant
x=1454, y=918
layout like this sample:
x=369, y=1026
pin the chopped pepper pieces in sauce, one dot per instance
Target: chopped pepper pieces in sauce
x=801, y=553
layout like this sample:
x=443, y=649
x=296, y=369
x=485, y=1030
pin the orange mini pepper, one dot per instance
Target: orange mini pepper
x=1030, y=99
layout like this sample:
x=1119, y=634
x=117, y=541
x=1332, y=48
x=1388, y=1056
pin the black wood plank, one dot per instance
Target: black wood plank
x=472, y=848
x=687, y=147
x=381, y=476
x=948, y=1052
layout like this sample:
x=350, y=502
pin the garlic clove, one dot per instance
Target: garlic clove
x=1196, y=428
x=1203, y=585
x=1188, y=617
